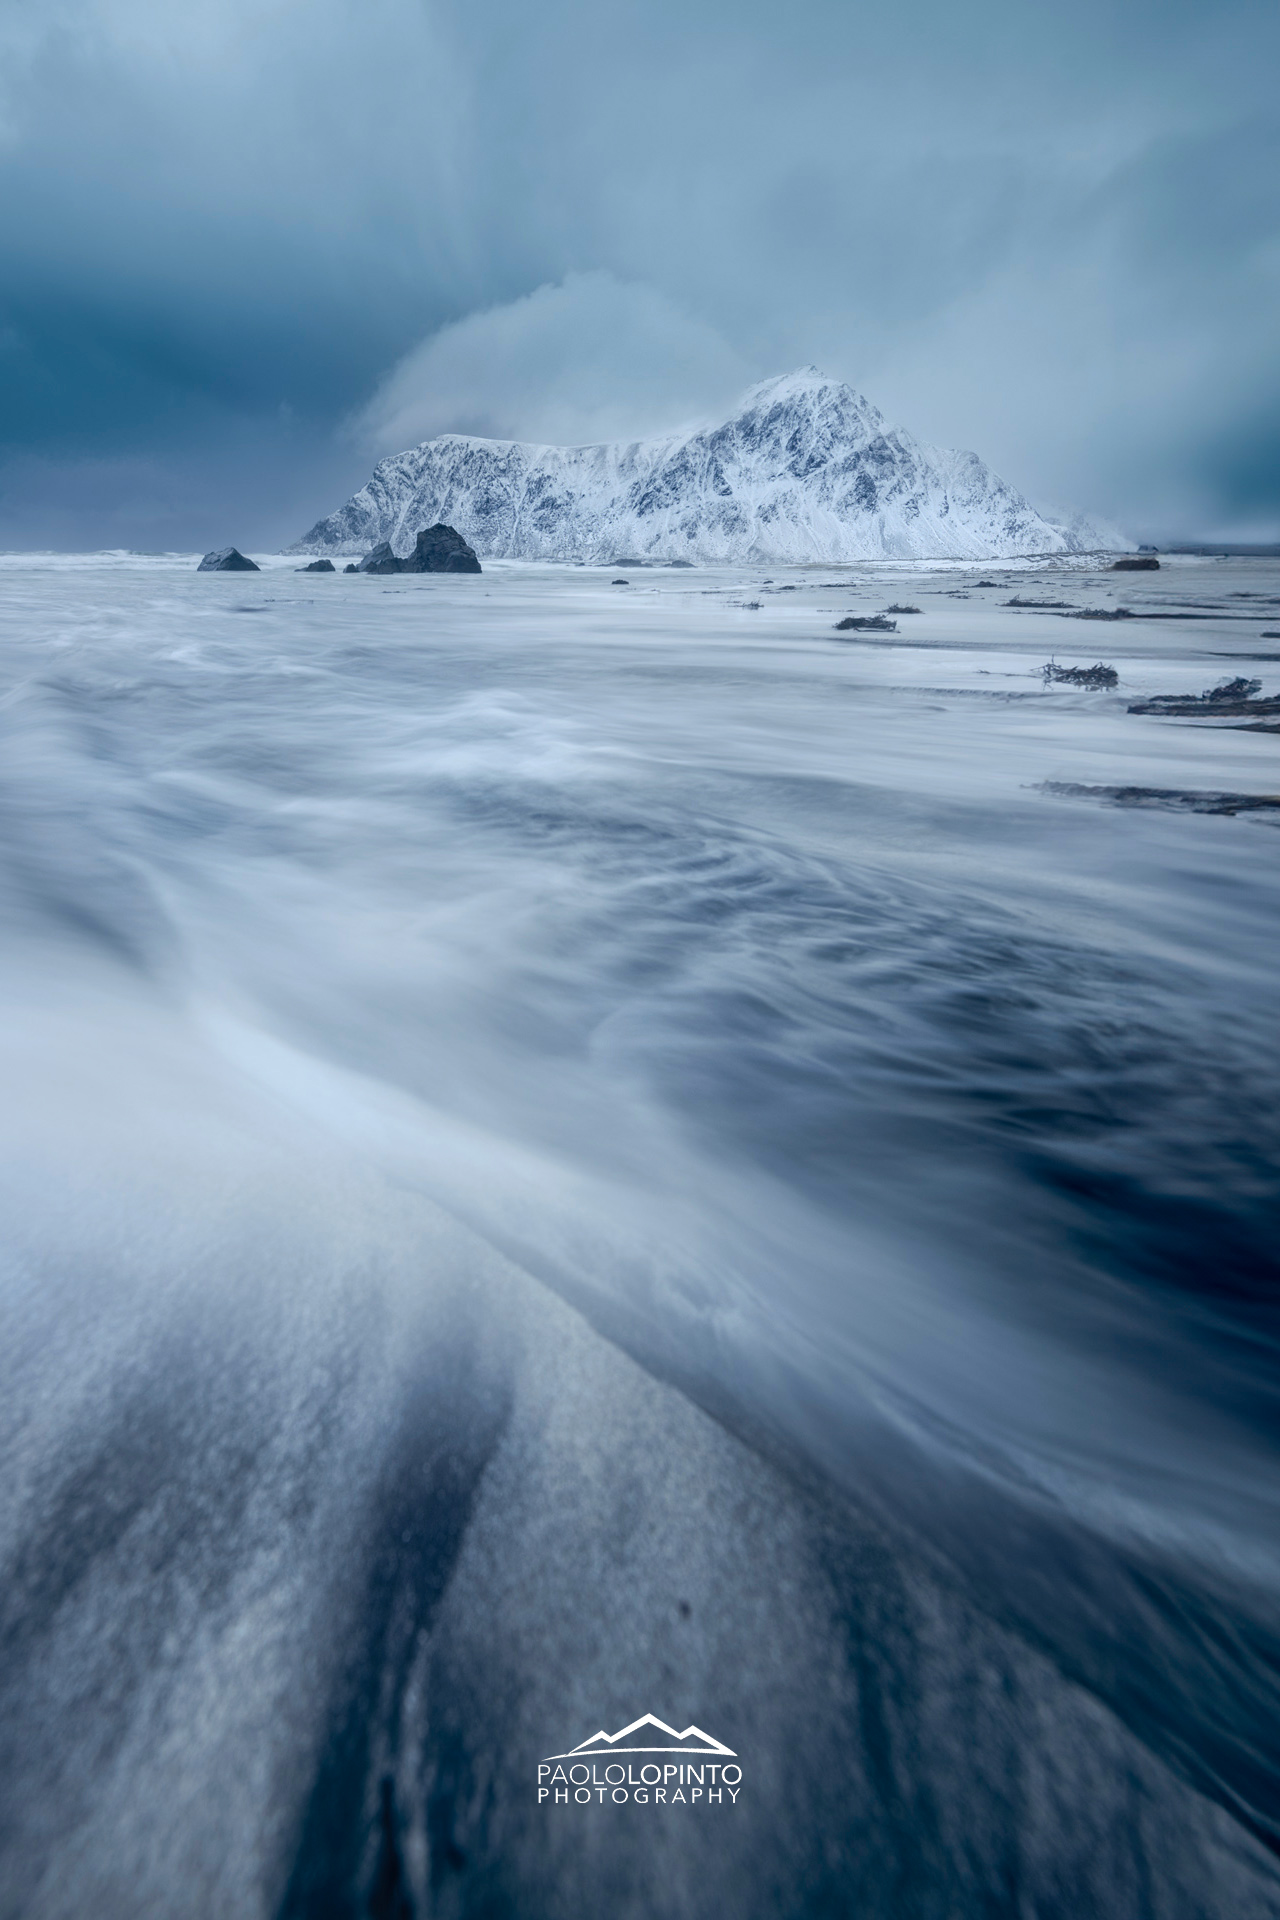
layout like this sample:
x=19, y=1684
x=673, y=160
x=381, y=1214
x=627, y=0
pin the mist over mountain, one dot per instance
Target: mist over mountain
x=806, y=469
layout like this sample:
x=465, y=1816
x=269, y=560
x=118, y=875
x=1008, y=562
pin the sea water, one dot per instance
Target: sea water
x=576, y=1150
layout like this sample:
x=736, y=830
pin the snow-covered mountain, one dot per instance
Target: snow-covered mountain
x=806, y=469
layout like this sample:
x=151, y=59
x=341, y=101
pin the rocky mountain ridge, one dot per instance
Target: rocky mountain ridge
x=805, y=470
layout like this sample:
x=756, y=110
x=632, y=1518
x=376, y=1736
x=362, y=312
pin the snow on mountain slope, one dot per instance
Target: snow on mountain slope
x=805, y=470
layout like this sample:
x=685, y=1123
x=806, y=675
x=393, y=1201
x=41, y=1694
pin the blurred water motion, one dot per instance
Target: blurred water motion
x=520, y=1105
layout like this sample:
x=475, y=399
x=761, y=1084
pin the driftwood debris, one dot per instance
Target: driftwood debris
x=1097, y=676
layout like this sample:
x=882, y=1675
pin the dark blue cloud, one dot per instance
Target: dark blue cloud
x=1051, y=234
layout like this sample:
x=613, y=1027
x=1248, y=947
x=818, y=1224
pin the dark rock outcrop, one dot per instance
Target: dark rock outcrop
x=441, y=549
x=438, y=549
x=227, y=560
x=869, y=623
x=318, y=566
x=1138, y=563
x=351, y=568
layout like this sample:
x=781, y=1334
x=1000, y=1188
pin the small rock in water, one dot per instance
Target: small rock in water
x=1176, y=799
x=869, y=623
x=1042, y=606
x=1229, y=697
x=351, y=567
x=897, y=609
x=1138, y=563
x=227, y=560
x=1103, y=613
x=317, y=566
x=1237, y=689
x=441, y=549
x=381, y=560
x=619, y=583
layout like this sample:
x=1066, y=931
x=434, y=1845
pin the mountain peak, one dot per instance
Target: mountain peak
x=781, y=386
x=804, y=470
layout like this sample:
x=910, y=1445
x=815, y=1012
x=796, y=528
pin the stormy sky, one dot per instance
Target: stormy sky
x=249, y=246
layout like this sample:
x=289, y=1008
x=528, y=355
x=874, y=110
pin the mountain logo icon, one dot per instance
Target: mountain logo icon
x=654, y=1736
